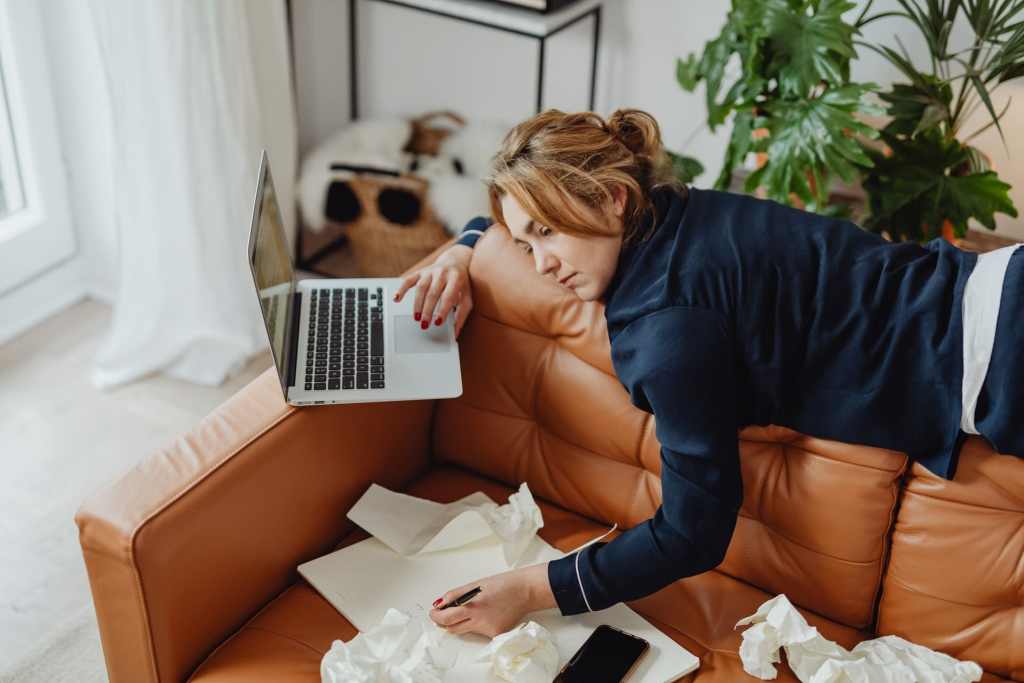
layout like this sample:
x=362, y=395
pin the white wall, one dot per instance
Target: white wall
x=411, y=63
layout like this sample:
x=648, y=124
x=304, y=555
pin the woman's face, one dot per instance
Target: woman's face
x=589, y=263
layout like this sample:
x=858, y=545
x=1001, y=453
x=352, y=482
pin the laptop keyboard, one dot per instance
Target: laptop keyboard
x=345, y=344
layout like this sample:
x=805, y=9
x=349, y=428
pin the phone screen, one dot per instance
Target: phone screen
x=607, y=655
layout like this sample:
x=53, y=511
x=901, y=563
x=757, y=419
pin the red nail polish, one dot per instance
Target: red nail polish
x=425, y=324
x=437, y=602
x=417, y=316
x=437, y=322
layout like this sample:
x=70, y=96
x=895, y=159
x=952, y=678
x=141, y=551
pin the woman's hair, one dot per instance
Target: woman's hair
x=562, y=167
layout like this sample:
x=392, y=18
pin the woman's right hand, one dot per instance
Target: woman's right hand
x=441, y=286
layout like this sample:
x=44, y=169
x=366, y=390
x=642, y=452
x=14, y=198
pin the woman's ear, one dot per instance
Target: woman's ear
x=619, y=193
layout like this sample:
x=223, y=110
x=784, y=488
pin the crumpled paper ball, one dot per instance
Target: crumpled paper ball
x=526, y=654
x=515, y=523
x=815, y=659
x=398, y=650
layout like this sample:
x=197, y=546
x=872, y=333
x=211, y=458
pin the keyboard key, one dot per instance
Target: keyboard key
x=334, y=384
x=348, y=383
x=377, y=339
x=319, y=385
x=376, y=385
x=309, y=386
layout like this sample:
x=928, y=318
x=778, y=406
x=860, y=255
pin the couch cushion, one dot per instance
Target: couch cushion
x=955, y=580
x=286, y=640
x=815, y=521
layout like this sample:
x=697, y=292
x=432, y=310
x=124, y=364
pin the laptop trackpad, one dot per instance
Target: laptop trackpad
x=411, y=338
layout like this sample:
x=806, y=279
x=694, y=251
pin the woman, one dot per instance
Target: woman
x=725, y=310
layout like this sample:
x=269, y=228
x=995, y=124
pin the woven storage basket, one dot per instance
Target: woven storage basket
x=381, y=248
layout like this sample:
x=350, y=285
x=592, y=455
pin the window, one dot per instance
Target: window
x=36, y=232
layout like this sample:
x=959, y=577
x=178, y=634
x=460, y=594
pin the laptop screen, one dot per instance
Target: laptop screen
x=271, y=264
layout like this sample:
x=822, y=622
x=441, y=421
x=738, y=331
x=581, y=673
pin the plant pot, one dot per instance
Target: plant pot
x=948, y=234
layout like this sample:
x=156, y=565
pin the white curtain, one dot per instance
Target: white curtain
x=196, y=90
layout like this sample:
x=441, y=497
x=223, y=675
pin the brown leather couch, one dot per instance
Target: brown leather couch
x=192, y=554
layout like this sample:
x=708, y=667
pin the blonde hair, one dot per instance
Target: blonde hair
x=561, y=168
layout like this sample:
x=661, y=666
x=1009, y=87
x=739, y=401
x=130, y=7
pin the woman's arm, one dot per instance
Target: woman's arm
x=680, y=369
x=443, y=286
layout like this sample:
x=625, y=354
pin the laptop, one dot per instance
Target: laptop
x=343, y=340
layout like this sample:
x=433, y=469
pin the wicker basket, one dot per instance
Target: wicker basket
x=381, y=248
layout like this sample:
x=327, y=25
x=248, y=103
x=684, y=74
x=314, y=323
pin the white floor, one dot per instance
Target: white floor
x=60, y=440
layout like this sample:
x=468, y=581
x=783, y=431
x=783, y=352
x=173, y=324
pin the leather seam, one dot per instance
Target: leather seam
x=286, y=637
x=801, y=545
x=959, y=502
x=540, y=425
x=1004, y=606
x=896, y=472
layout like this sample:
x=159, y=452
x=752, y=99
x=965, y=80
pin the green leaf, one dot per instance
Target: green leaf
x=983, y=92
x=687, y=72
x=913, y=191
x=740, y=143
x=978, y=196
x=809, y=133
x=809, y=48
x=685, y=168
x=933, y=115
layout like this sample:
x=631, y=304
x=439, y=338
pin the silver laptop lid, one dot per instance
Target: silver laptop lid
x=273, y=273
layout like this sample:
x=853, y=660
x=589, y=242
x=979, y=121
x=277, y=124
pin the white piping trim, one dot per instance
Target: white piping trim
x=580, y=581
x=577, y=551
x=471, y=232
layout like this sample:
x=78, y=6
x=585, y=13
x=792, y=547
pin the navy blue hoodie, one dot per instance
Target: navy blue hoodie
x=741, y=311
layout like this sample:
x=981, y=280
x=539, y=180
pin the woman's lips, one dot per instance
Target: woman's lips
x=568, y=279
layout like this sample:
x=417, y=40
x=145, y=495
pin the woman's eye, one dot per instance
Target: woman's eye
x=545, y=234
x=527, y=248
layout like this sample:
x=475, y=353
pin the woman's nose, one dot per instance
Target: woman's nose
x=545, y=262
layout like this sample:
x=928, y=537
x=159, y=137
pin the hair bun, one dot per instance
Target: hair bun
x=637, y=130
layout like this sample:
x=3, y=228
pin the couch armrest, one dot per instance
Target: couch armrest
x=193, y=540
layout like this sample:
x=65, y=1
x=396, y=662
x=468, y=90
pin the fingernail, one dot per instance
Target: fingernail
x=417, y=315
x=396, y=297
x=437, y=322
x=425, y=324
x=437, y=602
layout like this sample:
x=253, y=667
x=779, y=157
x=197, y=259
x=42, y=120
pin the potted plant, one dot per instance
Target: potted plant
x=926, y=180
x=793, y=103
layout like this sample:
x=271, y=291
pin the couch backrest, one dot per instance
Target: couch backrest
x=955, y=581
x=541, y=404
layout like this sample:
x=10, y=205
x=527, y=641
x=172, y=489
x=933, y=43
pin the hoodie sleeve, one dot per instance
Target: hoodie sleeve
x=474, y=230
x=677, y=364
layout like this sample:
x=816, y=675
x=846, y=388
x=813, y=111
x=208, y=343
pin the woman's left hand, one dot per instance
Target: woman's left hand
x=501, y=603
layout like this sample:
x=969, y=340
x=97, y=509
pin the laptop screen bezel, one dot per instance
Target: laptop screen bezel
x=282, y=364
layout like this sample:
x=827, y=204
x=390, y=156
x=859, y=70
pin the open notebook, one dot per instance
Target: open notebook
x=364, y=579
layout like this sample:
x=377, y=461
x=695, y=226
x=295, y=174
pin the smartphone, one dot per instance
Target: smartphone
x=609, y=655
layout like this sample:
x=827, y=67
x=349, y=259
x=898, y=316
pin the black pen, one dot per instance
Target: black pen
x=462, y=599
